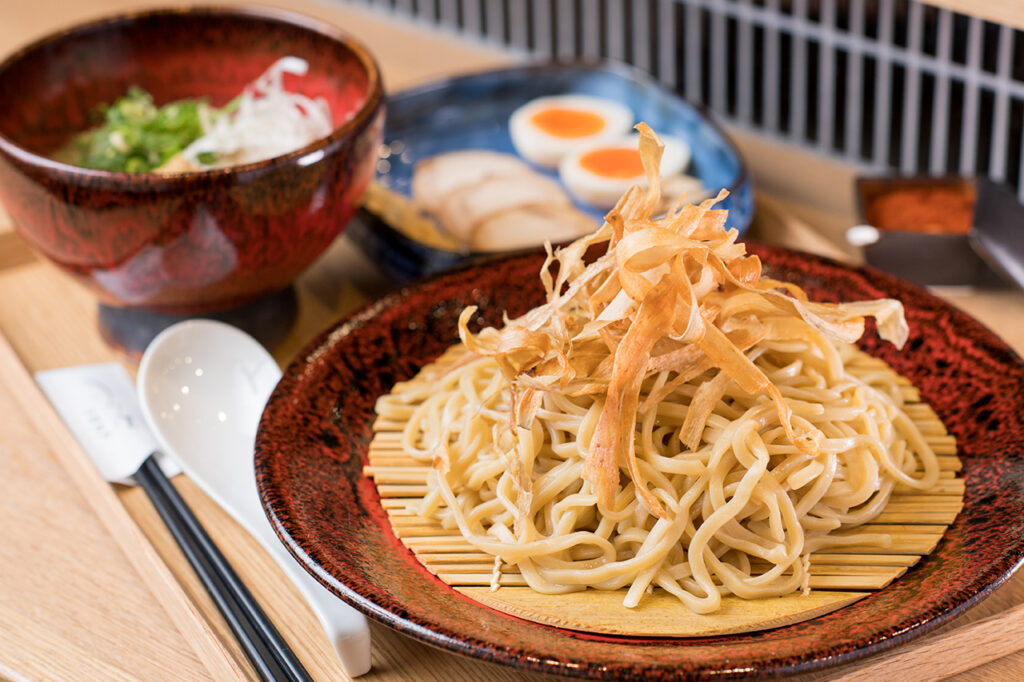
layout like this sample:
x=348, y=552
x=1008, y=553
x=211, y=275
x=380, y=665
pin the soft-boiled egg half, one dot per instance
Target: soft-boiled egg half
x=600, y=173
x=545, y=129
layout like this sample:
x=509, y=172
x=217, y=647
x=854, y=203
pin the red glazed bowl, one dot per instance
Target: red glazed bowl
x=191, y=242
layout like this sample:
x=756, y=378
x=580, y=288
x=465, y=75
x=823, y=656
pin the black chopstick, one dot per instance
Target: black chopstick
x=270, y=655
x=148, y=476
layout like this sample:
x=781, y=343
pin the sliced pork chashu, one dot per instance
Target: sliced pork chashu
x=465, y=208
x=492, y=201
x=529, y=226
x=435, y=178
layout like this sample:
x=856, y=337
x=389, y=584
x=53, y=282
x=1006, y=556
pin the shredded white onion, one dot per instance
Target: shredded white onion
x=268, y=121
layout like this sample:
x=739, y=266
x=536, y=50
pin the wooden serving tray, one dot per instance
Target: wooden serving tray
x=58, y=516
x=50, y=322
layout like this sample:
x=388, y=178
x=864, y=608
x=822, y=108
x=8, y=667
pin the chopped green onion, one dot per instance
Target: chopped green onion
x=136, y=136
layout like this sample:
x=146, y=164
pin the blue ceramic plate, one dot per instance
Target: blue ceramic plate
x=472, y=112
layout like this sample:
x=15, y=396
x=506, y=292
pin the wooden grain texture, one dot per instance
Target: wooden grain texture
x=125, y=617
x=50, y=320
x=14, y=251
x=950, y=653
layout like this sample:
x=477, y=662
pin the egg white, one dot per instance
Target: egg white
x=603, y=192
x=547, y=150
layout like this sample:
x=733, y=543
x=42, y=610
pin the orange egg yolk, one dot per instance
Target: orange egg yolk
x=571, y=123
x=613, y=162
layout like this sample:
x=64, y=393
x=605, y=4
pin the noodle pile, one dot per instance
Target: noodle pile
x=668, y=418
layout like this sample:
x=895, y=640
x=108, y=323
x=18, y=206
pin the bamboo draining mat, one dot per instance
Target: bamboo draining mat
x=50, y=322
x=915, y=521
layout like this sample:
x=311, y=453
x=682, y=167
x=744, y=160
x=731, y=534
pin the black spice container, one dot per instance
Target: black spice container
x=943, y=231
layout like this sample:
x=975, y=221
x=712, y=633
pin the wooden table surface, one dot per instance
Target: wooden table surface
x=50, y=322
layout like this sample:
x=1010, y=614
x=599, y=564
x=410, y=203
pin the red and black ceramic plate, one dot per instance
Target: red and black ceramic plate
x=316, y=428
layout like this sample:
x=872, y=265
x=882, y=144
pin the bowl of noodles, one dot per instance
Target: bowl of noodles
x=683, y=422
x=191, y=159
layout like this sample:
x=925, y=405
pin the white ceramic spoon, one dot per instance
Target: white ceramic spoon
x=203, y=386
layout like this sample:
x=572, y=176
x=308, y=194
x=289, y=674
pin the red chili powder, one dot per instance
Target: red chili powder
x=928, y=209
